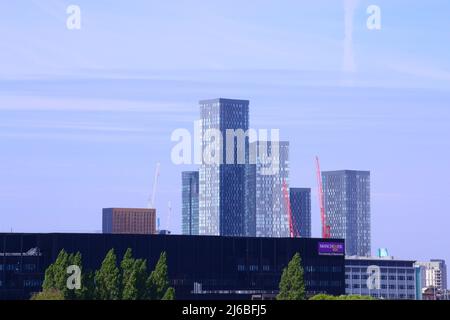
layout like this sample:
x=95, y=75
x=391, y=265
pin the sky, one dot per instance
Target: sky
x=86, y=114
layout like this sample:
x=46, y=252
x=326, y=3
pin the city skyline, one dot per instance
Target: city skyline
x=87, y=114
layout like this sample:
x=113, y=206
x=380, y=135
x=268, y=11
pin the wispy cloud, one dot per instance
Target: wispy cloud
x=349, y=64
x=421, y=70
x=42, y=103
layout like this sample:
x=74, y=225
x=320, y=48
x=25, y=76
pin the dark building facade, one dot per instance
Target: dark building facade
x=129, y=221
x=200, y=267
x=300, y=199
x=189, y=199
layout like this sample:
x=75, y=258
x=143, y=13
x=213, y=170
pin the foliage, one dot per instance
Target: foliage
x=56, y=274
x=128, y=281
x=107, y=278
x=292, y=286
x=158, y=282
x=170, y=294
x=49, y=294
x=87, y=291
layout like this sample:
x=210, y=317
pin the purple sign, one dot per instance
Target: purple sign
x=331, y=248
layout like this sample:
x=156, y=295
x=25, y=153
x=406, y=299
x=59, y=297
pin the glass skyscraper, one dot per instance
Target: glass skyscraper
x=267, y=214
x=190, y=198
x=347, y=207
x=221, y=181
x=300, y=199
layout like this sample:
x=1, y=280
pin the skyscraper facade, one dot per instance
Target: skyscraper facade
x=347, y=207
x=221, y=181
x=300, y=199
x=190, y=198
x=266, y=179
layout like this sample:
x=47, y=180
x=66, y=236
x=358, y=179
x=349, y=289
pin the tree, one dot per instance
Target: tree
x=140, y=267
x=322, y=296
x=130, y=291
x=56, y=274
x=158, y=282
x=49, y=294
x=127, y=267
x=107, y=278
x=88, y=290
x=292, y=286
x=170, y=294
x=134, y=276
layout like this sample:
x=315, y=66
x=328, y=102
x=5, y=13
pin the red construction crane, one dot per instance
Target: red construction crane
x=325, y=227
x=289, y=211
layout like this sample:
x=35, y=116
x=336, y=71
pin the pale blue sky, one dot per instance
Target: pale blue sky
x=85, y=115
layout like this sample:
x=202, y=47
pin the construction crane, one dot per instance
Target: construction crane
x=325, y=227
x=169, y=214
x=289, y=211
x=151, y=203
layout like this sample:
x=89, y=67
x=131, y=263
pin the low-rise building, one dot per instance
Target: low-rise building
x=199, y=267
x=129, y=221
x=382, y=278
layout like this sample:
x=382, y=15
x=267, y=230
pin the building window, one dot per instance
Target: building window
x=254, y=268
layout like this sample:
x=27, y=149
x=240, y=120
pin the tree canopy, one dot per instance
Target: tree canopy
x=292, y=285
x=128, y=280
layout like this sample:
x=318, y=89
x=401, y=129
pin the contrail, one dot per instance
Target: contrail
x=349, y=59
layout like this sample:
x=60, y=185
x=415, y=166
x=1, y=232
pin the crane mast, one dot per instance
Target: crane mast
x=325, y=227
x=151, y=203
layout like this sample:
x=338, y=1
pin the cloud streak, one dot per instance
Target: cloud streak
x=349, y=64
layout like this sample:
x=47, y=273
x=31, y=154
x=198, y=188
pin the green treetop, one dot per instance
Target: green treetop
x=292, y=286
x=107, y=278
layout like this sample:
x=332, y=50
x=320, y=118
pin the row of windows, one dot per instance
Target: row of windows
x=382, y=287
x=29, y=283
x=323, y=269
x=382, y=277
x=32, y=283
x=394, y=296
x=311, y=269
x=383, y=270
x=29, y=267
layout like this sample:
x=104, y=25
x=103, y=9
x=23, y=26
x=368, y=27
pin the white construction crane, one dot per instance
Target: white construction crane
x=169, y=213
x=151, y=202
